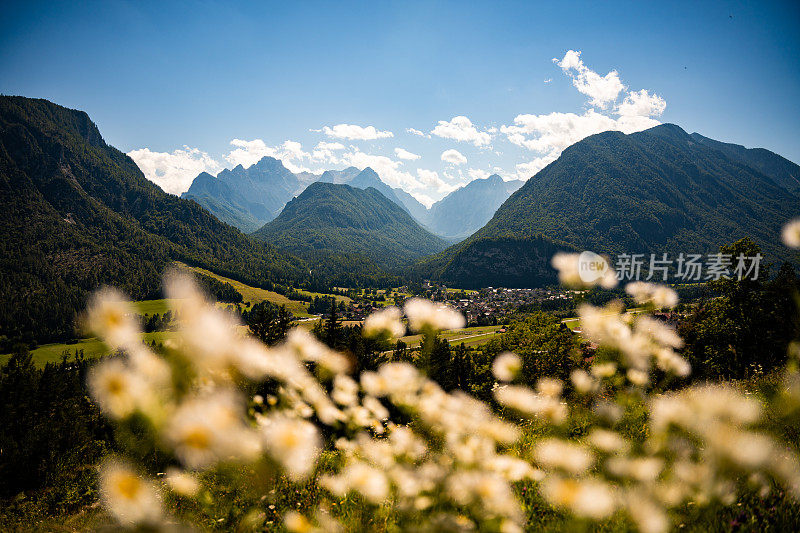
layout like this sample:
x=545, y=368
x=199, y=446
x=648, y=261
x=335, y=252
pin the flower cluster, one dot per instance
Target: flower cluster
x=439, y=460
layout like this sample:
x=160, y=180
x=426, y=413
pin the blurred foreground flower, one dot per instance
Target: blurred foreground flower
x=791, y=234
x=385, y=322
x=424, y=314
x=218, y=401
x=131, y=499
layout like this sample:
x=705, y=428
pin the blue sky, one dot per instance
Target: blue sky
x=174, y=85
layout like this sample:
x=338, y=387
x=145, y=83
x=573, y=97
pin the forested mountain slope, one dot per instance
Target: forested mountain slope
x=655, y=191
x=78, y=213
x=338, y=218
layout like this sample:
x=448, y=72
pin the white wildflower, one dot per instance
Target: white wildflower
x=423, y=314
x=308, y=348
x=659, y=295
x=638, y=377
x=345, y=390
x=585, y=497
x=550, y=387
x=297, y=523
x=294, y=443
x=582, y=381
x=131, y=499
x=648, y=516
x=487, y=490
x=555, y=453
x=791, y=234
x=506, y=366
x=112, y=317
x=385, y=322
x=607, y=441
x=210, y=428
x=182, y=483
x=375, y=407
x=117, y=389
x=643, y=469
x=529, y=403
x=397, y=379
x=659, y=331
x=604, y=370
x=360, y=477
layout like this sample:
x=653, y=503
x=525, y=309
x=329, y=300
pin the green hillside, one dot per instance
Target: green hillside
x=331, y=219
x=654, y=191
x=77, y=213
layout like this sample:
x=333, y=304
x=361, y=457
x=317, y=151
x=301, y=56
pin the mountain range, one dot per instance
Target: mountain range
x=246, y=197
x=337, y=218
x=76, y=213
x=467, y=209
x=659, y=190
x=249, y=198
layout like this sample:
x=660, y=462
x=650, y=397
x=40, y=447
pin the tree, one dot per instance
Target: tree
x=332, y=325
x=268, y=322
x=462, y=368
x=546, y=346
x=743, y=326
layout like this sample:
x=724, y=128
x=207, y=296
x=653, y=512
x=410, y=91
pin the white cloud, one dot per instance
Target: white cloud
x=248, y=153
x=418, y=133
x=174, y=172
x=453, y=157
x=601, y=89
x=526, y=170
x=405, y=154
x=461, y=129
x=326, y=152
x=431, y=180
x=551, y=133
x=478, y=174
x=642, y=103
x=356, y=133
x=424, y=199
x=555, y=131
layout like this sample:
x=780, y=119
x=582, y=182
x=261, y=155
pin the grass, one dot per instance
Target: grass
x=92, y=348
x=474, y=336
x=572, y=323
x=152, y=307
x=255, y=295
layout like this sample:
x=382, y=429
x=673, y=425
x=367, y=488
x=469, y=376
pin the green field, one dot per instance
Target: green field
x=572, y=323
x=52, y=353
x=474, y=336
x=255, y=295
x=152, y=307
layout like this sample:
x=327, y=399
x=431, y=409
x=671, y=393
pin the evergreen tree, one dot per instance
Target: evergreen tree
x=268, y=322
x=332, y=325
x=462, y=368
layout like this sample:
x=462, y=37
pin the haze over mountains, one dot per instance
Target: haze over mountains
x=465, y=210
x=246, y=197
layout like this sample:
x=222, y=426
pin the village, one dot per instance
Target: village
x=484, y=307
